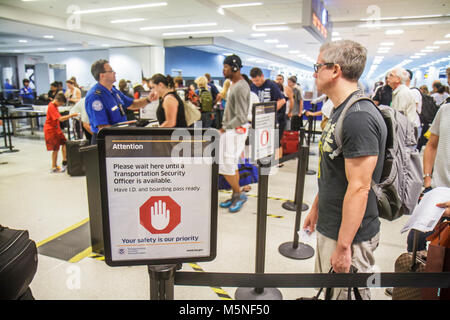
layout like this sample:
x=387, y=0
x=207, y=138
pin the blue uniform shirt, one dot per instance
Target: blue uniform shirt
x=27, y=93
x=106, y=107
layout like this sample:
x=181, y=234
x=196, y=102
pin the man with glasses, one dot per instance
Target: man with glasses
x=345, y=211
x=105, y=105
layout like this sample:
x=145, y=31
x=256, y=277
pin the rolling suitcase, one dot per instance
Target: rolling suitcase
x=18, y=264
x=290, y=141
x=410, y=262
x=75, y=159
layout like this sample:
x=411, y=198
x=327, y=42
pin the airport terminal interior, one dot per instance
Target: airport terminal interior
x=47, y=42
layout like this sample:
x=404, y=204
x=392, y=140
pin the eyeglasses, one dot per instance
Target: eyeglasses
x=318, y=65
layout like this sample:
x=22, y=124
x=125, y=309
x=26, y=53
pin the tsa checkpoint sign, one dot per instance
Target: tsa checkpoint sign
x=157, y=210
x=263, y=124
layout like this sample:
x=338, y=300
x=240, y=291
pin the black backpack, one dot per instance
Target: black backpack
x=429, y=108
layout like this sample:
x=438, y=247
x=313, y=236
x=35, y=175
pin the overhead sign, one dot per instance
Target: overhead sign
x=315, y=19
x=159, y=201
x=263, y=133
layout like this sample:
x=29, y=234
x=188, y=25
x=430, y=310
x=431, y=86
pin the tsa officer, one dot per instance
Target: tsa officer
x=105, y=105
x=26, y=93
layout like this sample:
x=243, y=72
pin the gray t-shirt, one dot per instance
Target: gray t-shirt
x=364, y=134
x=441, y=128
x=238, y=102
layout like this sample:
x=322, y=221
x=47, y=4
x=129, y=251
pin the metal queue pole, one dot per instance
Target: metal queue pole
x=296, y=249
x=3, y=111
x=310, y=132
x=292, y=205
x=261, y=226
x=162, y=281
x=8, y=130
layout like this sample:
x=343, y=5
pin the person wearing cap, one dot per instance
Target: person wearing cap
x=234, y=131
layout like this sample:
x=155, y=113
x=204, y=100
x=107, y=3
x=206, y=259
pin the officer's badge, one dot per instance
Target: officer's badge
x=97, y=105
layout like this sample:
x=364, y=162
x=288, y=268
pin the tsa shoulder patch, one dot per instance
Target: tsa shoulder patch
x=97, y=105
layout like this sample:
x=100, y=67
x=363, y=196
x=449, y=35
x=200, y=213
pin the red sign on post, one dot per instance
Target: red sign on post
x=160, y=214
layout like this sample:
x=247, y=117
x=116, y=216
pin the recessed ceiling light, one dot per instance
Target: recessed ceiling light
x=426, y=50
x=387, y=44
x=180, y=26
x=105, y=45
x=48, y=36
x=293, y=51
x=447, y=35
x=414, y=57
x=432, y=47
x=258, y=35
x=271, y=41
x=60, y=49
x=122, y=8
x=394, y=31
x=384, y=48
x=196, y=32
x=282, y=46
x=127, y=20
x=420, y=54
x=442, y=42
x=23, y=41
x=273, y=26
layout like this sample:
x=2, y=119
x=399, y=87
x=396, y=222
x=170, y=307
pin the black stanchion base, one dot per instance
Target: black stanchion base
x=310, y=172
x=10, y=151
x=302, y=252
x=251, y=294
x=291, y=206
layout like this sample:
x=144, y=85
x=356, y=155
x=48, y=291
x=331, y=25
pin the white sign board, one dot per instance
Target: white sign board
x=159, y=209
x=263, y=124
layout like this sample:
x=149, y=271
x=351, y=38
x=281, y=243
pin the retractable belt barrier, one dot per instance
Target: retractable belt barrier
x=315, y=280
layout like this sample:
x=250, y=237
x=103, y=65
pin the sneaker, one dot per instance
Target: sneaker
x=237, y=203
x=226, y=203
x=55, y=170
x=63, y=168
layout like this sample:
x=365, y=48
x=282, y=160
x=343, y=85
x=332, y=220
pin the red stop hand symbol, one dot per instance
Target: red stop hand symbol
x=160, y=214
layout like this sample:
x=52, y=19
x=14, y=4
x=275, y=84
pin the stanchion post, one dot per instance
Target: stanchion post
x=261, y=226
x=295, y=249
x=3, y=110
x=162, y=281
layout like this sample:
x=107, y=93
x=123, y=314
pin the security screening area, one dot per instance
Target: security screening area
x=188, y=173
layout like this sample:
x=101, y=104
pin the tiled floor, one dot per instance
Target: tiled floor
x=31, y=198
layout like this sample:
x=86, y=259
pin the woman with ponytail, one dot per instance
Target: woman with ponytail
x=170, y=112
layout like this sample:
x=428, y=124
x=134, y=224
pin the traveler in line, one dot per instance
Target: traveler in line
x=170, y=112
x=54, y=137
x=206, y=101
x=234, y=131
x=73, y=94
x=26, y=93
x=345, y=211
x=383, y=94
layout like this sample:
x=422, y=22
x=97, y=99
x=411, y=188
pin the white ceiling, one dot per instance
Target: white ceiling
x=42, y=17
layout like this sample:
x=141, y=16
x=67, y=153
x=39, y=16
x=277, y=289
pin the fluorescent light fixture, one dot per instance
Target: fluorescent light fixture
x=414, y=57
x=48, y=36
x=447, y=35
x=122, y=8
x=271, y=41
x=336, y=39
x=258, y=35
x=394, y=31
x=105, y=45
x=196, y=32
x=420, y=54
x=180, y=26
x=383, y=44
x=432, y=47
x=379, y=18
x=227, y=54
x=426, y=50
x=23, y=41
x=421, y=17
x=60, y=49
x=293, y=51
x=442, y=42
x=127, y=20
x=273, y=26
x=384, y=48
x=302, y=56
x=237, y=5
x=335, y=34
x=282, y=46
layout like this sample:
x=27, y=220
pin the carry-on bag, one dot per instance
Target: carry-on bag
x=75, y=159
x=290, y=142
x=18, y=264
x=328, y=293
x=410, y=262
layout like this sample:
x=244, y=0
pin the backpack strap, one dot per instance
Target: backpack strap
x=359, y=96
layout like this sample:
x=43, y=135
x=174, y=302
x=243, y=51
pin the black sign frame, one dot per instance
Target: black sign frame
x=140, y=132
